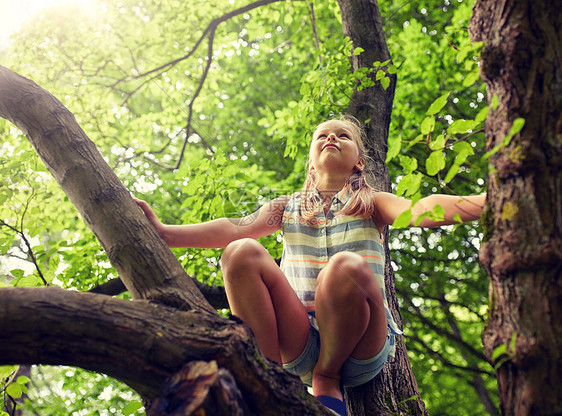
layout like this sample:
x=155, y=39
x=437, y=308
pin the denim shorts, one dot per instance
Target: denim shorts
x=353, y=373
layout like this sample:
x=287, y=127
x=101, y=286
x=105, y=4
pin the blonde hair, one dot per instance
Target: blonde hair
x=362, y=203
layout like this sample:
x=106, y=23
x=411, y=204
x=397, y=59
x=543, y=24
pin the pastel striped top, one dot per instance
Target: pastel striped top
x=307, y=248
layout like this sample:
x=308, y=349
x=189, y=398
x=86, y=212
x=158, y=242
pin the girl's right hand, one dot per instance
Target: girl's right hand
x=150, y=215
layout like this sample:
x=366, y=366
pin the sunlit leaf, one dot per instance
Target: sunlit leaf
x=438, y=104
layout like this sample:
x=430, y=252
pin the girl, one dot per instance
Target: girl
x=323, y=313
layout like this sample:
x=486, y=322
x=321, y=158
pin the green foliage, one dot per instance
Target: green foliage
x=503, y=352
x=6, y=374
x=70, y=391
x=266, y=88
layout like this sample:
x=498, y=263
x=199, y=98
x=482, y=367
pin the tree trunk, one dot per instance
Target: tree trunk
x=521, y=64
x=394, y=390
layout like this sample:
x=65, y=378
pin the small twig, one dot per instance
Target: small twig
x=195, y=95
x=210, y=28
x=313, y=22
x=28, y=245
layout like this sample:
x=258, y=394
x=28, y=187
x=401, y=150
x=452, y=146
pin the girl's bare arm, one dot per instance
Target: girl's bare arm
x=389, y=207
x=220, y=232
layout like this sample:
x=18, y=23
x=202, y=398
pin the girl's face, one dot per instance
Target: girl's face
x=335, y=147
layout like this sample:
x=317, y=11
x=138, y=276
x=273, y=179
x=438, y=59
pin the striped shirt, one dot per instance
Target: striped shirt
x=307, y=248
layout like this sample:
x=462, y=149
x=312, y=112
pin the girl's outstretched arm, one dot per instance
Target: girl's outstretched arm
x=220, y=232
x=389, y=207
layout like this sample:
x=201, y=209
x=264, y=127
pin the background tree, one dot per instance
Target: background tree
x=522, y=68
x=297, y=54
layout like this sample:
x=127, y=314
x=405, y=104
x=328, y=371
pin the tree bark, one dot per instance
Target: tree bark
x=521, y=64
x=394, y=390
x=362, y=22
x=147, y=346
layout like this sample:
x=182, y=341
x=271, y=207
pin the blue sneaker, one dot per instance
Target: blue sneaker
x=335, y=405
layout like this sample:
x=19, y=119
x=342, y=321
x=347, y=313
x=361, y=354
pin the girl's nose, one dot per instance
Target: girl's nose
x=331, y=136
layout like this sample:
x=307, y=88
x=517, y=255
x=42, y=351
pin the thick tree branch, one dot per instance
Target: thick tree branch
x=144, y=262
x=140, y=343
x=215, y=295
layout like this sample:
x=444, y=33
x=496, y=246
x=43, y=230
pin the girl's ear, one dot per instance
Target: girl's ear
x=360, y=164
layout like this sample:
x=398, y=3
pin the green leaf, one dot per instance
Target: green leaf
x=14, y=390
x=461, y=126
x=417, y=139
x=427, y=125
x=482, y=114
x=437, y=105
x=452, y=172
x=132, y=407
x=435, y=162
x=471, y=78
x=385, y=82
x=462, y=53
x=394, y=145
x=408, y=163
x=403, y=220
x=517, y=125
x=7, y=370
x=498, y=351
x=463, y=147
x=23, y=380
x=18, y=273
x=501, y=361
x=409, y=184
x=358, y=51
x=438, y=143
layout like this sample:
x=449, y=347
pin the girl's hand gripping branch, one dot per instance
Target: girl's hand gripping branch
x=151, y=216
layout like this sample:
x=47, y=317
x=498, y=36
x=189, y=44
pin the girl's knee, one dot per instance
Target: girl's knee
x=348, y=276
x=241, y=253
x=350, y=265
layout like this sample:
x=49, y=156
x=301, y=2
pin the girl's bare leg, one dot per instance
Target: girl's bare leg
x=351, y=319
x=259, y=293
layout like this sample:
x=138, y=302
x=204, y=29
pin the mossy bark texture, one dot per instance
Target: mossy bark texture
x=522, y=67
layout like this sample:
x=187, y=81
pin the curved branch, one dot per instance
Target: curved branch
x=210, y=29
x=215, y=295
x=194, y=97
x=140, y=343
x=144, y=262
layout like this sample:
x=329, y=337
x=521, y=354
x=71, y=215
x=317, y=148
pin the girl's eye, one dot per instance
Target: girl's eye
x=322, y=136
x=345, y=136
